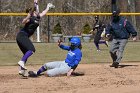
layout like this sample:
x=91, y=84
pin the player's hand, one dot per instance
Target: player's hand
x=59, y=42
x=70, y=72
x=134, y=38
x=50, y=6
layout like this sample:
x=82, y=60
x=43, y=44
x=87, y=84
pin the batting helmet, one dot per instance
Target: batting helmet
x=75, y=41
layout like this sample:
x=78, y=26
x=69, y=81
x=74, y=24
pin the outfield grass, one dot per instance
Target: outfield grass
x=46, y=52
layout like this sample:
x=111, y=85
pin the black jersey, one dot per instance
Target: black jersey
x=31, y=26
x=99, y=27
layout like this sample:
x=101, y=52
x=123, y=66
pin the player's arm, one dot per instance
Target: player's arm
x=49, y=6
x=70, y=72
x=63, y=46
x=108, y=31
x=25, y=20
x=131, y=30
x=76, y=62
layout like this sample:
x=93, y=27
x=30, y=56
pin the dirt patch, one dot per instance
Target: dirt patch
x=97, y=78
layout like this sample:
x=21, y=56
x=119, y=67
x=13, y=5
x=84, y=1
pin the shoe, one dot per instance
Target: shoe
x=32, y=74
x=21, y=63
x=23, y=73
x=98, y=50
x=116, y=64
x=112, y=65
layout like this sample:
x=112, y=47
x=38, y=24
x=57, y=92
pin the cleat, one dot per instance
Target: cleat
x=23, y=73
x=98, y=50
x=21, y=63
x=32, y=74
x=112, y=65
x=116, y=64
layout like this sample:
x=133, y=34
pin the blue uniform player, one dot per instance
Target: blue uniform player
x=63, y=67
x=120, y=29
x=31, y=22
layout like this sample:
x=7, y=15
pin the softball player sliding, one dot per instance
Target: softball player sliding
x=31, y=23
x=63, y=67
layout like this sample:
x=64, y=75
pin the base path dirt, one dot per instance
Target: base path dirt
x=98, y=78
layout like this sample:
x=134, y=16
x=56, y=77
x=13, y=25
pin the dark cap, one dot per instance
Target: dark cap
x=116, y=12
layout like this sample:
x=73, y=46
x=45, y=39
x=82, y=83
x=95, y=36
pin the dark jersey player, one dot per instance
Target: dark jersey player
x=31, y=22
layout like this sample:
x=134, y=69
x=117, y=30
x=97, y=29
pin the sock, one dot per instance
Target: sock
x=42, y=69
x=26, y=56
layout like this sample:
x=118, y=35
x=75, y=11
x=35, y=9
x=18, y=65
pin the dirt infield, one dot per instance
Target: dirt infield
x=98, y=78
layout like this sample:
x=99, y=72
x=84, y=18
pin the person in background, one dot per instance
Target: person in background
x=120, y=29
x=99, y=34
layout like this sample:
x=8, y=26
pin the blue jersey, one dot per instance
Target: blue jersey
x=121, y=29
x=73, y=57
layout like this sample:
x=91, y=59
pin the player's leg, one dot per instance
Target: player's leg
x=22, y=71
x=122, y=44
x=103, y=42
x=113, y=49
x=29, y=50
x=49, y=65
x=97, y=45
x=61, y=70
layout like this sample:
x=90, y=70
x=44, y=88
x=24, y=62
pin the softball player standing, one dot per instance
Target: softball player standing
x=63, y=67
x=120, y=29
x=31, y=23
x=100, y=28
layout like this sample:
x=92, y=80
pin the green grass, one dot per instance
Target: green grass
x=46, y=52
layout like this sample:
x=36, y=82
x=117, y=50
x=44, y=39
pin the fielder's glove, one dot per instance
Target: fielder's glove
x=59, y=42
x=50, y=6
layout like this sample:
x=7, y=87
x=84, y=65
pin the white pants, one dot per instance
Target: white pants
x=56, y=68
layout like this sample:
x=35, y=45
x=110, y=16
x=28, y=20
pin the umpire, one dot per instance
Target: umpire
x=120, y=29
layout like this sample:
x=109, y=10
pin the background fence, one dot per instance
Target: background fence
x=11, y=24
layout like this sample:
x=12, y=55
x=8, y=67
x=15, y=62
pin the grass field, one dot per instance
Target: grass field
x=46, y=52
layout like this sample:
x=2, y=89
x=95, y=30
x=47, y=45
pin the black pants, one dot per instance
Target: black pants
x=24, y=42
